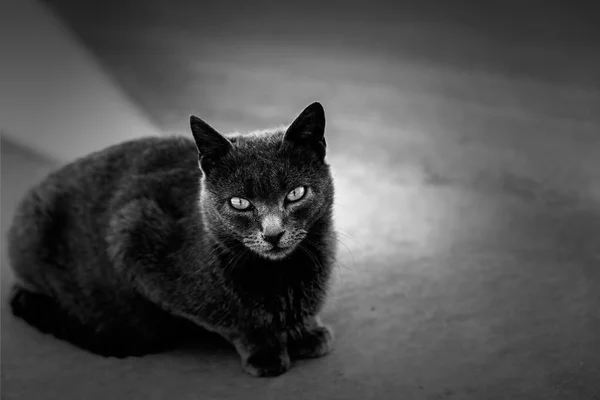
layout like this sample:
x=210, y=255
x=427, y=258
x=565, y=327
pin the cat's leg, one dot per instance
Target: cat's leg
x=263, y=355
x=311, y=340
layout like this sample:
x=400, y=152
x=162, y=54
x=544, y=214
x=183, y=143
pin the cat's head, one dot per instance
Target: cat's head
x=266, y=190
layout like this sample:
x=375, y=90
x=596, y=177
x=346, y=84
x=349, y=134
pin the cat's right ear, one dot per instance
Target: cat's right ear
x=211, y=144
x=308, y=130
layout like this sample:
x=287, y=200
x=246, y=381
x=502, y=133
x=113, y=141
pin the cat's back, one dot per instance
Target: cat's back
x=136, y=157
x=96, y=178
x=87, y=188
x=64, y=219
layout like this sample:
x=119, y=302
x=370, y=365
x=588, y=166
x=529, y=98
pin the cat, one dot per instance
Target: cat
x=130, y=249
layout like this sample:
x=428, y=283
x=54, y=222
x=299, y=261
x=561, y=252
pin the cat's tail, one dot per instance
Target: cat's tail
x=45, y=314
x=48, y=316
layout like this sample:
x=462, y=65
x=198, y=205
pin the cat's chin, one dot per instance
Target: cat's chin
x=276, y=254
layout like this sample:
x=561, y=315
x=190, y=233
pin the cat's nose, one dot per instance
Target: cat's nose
x=272, y=229
x=273, y=238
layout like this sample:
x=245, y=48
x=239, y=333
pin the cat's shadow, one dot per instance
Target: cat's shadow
x=206, y=344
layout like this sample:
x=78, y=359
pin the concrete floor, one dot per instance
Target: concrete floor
x=467, y=160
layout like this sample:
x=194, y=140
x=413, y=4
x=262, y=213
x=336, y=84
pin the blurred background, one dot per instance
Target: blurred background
x=465, y=141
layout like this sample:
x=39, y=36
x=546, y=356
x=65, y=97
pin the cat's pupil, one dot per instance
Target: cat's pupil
x=239, y=203
x=296, y=194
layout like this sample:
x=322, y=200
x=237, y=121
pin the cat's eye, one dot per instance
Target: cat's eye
x=239, y=203
x=296, y=194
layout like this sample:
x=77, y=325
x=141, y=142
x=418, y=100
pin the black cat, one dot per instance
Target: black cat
x=126, y=251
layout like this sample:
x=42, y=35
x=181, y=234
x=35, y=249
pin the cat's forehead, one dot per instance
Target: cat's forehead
x=260, y=167
x=258, y=152
x=258, y=141
x=256, y=166
x=261, y=175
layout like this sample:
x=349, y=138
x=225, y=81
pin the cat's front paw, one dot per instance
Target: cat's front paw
x=267, y=363
x=313, y=343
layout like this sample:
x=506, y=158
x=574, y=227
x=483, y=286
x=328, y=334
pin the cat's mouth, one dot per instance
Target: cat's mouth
x=269, y=251
x=276, y=252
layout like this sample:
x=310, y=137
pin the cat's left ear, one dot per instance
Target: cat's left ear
x=211, y=144
x=308, y=130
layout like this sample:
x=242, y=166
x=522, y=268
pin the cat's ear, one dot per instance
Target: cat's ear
x=308, y=130
x=211, y=144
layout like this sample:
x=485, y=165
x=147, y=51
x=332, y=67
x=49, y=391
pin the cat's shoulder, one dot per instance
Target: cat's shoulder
x=161, y=153
x=163, y=169
x=133, y=157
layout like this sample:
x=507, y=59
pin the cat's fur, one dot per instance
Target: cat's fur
x=126, y=251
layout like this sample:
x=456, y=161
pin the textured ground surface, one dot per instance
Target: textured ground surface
x=468, y=173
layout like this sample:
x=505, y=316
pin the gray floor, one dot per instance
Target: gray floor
x=468, y=199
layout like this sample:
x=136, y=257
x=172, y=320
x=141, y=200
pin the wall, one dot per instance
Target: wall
x=54, y=98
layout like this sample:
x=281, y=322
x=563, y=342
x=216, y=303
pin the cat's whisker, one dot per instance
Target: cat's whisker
x=217, y=251
x=312, y=257
x=340, y=231
x=343, y=230
x=339, y=263
x=333, y=257
x=337, y=236
x=231, y=264
x=309, y=253
x=347, y=248
x=346, y=234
